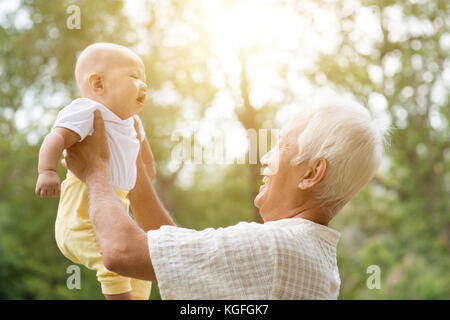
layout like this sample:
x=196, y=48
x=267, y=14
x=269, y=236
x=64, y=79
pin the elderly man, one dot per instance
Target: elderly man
x=324, y=156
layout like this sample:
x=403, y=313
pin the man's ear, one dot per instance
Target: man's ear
x=314, y=174
x=96, y=83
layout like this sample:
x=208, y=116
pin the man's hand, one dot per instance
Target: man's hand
x=48, y=184
x=91, y=155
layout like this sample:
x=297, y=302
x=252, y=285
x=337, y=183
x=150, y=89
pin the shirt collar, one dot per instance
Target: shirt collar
x=330, y=235
x=108, y=115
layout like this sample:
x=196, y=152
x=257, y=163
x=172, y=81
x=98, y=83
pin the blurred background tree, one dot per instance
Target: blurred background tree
x=217, y=71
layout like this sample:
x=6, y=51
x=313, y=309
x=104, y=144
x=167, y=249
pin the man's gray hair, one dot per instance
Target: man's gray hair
x=343, y=132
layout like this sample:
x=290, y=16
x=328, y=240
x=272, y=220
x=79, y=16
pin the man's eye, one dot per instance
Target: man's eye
x=133, y=76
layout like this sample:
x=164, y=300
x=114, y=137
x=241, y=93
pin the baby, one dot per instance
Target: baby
x=111, y=79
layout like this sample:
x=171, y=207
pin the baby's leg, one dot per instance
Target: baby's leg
x=120, y=296
x=76, y=240
x=83, y=246
x=140, y=289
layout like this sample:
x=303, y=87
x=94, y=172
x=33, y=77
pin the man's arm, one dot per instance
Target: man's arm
x=148, y=211
x=122, y=243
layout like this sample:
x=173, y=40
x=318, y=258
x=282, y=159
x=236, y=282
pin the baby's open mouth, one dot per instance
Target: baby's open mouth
x=141, y=99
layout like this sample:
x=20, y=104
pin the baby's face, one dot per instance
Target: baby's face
x=125, y=86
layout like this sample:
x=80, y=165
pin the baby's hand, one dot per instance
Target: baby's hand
x=48, y=184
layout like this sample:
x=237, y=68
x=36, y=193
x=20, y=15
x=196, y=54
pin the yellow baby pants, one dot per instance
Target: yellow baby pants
x=76, y=239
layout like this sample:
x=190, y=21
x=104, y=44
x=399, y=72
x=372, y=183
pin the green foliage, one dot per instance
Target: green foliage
x=399, y=222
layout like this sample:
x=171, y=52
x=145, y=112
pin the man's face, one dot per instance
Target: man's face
x=281, y=179
x=125, y=87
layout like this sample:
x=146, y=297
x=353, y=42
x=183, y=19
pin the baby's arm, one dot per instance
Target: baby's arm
x=55, y=142
x=147, y=157
x=146, y=151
